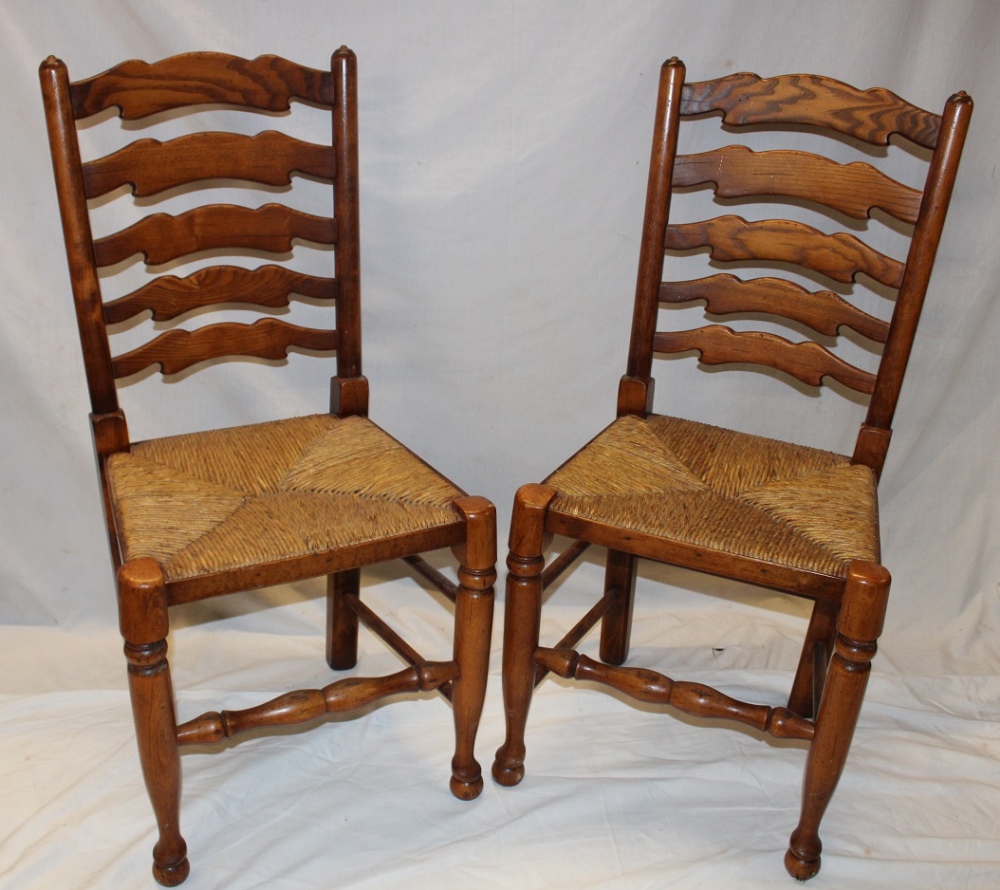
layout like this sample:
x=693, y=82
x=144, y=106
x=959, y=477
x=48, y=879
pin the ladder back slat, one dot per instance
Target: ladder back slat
x=733, y=239
x=176, y=350
x=854, y=189
x=169, y=296
x=870, y=115
x=149, y=166
x=162, y=237
x=808, y=362
x=823, y=311
x=139, y=89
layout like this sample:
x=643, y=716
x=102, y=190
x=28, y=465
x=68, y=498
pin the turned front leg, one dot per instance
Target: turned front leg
x=522, y=616
x=143, y=616
x=858, y=628
x=473, y=628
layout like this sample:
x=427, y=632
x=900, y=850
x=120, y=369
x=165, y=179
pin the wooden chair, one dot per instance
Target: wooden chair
x=775, y=514
x=211, y=513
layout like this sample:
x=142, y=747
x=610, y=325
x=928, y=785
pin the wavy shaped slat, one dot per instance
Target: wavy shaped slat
x=853, y=189
x=733, y=239
x=808, y=362
x=176, y=350
x=870, y=115
x=150, y=166
x=139, y=88
x=823, y=311
x=162, y=237
x=169, y=296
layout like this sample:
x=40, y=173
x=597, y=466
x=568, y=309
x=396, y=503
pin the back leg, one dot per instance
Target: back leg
x=616, y=626
x=816, y=651
x=342, y=620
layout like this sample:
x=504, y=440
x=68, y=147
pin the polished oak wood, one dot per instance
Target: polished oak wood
x=178, y=350
x=854, y=189
x=139, y=89
x=149, y=166
x=306, y=705
x=731, y=238
x=153, y=170
x=870, y=115
x=824, y=311
x=168, y=296
x=808, y=362
x=161, y=237
x=849, y=602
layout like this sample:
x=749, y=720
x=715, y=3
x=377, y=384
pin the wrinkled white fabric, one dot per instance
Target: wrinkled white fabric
x=503, y=151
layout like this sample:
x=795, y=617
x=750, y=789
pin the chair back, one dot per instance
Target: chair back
x=853, y=120
x=151, y=170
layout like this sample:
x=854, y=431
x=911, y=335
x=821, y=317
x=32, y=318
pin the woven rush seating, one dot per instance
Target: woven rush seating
x=227, y=499
x=724, y=490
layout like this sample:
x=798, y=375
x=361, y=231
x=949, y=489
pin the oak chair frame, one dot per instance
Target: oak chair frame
x=849, y=605
x=267, y=84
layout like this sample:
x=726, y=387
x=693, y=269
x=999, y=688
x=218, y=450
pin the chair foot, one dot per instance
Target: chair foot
x=507, y=774
x=465, y=789
x=171, y=875
x=805, y=864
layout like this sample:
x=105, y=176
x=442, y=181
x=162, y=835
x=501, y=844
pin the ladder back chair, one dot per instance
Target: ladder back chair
x=771, y=513
x=211, y=513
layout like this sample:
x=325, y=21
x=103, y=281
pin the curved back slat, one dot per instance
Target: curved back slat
x=733, y=239
x=808, y=362
x=149, y=167
x=870, y=115
x=162, y=237
x=854, y=189
x=177, y=350
x=139, y=89
x=823, y=311
x=169, y=296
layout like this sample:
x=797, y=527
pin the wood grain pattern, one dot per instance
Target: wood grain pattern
x=854, y=189
x=733, y=239
x=870, y=115
x=823, y=311
x=138, y=89
x=162, y=237
x=169, y=296
x=808, y=362
x=267, y=338
x=149, y=166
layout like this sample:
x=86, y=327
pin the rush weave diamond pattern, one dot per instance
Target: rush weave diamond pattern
x=214, y=501
x=719, y=489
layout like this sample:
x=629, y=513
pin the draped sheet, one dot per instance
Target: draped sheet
x=503, y=151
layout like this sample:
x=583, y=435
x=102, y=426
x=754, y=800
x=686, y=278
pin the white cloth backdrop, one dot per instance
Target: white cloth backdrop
x=503, y=160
